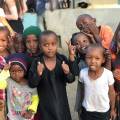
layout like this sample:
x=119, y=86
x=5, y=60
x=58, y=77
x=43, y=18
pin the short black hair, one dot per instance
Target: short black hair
x=47, y=33
x=76, y=35
x=82, y=17
x=85, y=16
x=73, y=38
x=97, y=45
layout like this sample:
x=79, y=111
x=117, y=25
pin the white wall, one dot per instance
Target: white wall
x=63, y=22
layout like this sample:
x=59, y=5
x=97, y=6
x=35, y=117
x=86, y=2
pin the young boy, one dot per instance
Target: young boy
x=50, y=73
x=103, y=33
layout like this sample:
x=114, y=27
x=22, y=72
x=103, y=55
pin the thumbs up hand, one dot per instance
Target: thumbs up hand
x=40, y=68
x=65, y=68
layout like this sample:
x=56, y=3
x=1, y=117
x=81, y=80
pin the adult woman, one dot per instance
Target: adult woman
x=14, y=10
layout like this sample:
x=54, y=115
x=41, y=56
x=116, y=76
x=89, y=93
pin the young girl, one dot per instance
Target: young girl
x=22, y=101
x=99, y=94
x=4, y=36
x=77, y=50
x=31, y=35
x=50, y=73
x=4, y=40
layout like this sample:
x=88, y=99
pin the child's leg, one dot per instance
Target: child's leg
x=2, y=111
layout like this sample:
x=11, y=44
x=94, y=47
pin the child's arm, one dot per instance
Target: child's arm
x=3, y=77
x=72, y=50
x=68, y=75
x=107, y=34
x=112, y=102
x=35, y=73
x=95, y=32
x=74, y=67
x=25, y=8
x=34, y=105
x=32, y=109
x=92, y=40
x=13, y=10
x=73, y=62
x=1, y=105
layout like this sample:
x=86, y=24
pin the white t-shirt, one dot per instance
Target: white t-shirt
x=2, y=14
x=96, y=98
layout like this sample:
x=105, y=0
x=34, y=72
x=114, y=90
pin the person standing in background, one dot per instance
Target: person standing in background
x=14, y=10
x=3, y=21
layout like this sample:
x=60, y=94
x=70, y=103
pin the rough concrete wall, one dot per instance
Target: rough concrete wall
x=63, y=22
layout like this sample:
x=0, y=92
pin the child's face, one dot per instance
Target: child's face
x=3, y=41
x=82, y=43
x=32, y=43
x=83, y=23
x=17, y=73
x=49, y=45
x=19, y=46
x=94, y=58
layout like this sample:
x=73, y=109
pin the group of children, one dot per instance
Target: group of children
x=33, y=75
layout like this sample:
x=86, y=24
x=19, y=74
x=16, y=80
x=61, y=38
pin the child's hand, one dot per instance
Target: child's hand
x=93, y=29
x=65, y=68
x=112, y=115
x=90, y=36
x=116, y=74
x=11, y=42
x=13, y=34
x=27, y=114
x=71, y=48
x=1, y=105
x=40, y=68
x=6, y=67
